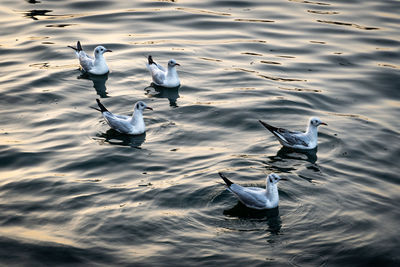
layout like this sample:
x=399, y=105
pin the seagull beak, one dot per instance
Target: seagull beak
x=108, y=50
x=283, y=179
x=177, y=64
x=323, y=123
x=149, y=108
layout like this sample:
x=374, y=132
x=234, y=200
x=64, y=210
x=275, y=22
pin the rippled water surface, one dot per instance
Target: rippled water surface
x=72, y=191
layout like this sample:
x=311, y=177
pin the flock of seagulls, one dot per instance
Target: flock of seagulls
x=251, y=197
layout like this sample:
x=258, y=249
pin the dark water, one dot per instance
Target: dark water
x=72, y=191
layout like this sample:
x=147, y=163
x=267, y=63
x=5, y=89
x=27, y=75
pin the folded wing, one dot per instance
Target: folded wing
x=291, y=138
x=85, y=61
x=117, y=122
x=157, y=74
x=251, y=197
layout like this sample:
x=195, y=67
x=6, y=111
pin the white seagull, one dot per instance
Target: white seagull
x=256, y=197
x=96, y=65
x=126, y=124
x=297, y=140
x=161, y=77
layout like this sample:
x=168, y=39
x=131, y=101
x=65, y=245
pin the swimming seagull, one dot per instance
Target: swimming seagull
x=98, y=65
x=297, y=140
x=255, y=197
x=161, y=77
x=125, y=124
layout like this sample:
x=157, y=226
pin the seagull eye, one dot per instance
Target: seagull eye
x=270, y=180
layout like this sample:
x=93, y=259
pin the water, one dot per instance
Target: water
x=72, y=191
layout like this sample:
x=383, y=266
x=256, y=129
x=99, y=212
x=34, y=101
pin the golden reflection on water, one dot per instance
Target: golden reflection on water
x=340, y=23
x=35, y=235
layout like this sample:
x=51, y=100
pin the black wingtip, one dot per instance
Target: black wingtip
x=150, y=59
x=95, y=109
x=79, y=46
x=102, y=108
x=72, y=47
x=269, y=127
x=226, y=180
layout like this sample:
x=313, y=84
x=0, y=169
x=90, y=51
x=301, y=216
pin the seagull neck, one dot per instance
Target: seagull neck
x=272, y=189
x=172, y=71
x=136, y=116
x=98, y=57
x=312, y=131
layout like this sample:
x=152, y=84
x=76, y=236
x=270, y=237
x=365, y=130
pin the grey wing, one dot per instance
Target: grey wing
x=160, y=67
x=158, y=78
x=85, y=61
x=251, y=197
x=122, y=117
x=83, y=54
x=157, y=74
x=292, y=138
x=117, y=123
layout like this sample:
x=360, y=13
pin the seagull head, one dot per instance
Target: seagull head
x=273, y=178
x=172, y=63
x=100, y=50
x=140, y=105
x=315, y=121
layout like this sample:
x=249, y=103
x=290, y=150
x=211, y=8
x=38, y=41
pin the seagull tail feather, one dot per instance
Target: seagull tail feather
x=269, y=127
x=102, y=108
x=226, y=180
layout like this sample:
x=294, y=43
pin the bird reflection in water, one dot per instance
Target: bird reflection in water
x=115, y=138
x=33, y=14
x=172, y=94
x=290, y=153
x=271, y=216
x=99, y=82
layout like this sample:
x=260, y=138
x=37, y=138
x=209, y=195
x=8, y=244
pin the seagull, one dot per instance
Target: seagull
x=297, y=140
x=161, y=77
x=255, y=197
x=133, y=125
x=96, y=66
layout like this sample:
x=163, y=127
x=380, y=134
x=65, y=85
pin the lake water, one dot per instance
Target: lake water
x=72, y=191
